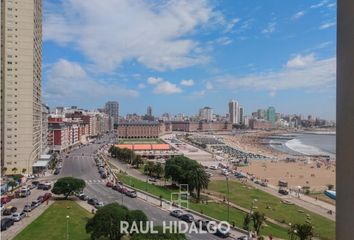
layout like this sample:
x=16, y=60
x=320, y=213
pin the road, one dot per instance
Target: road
x=80, y=164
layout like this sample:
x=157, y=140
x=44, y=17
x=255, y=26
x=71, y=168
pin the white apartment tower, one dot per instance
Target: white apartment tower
x=234, y=112
x=20, y=104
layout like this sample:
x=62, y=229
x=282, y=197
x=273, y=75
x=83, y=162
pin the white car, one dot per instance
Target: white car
x=213, y=167
x=99, y=204
x=18, y=216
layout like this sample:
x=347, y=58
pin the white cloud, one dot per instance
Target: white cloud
x=230, y=25
x=270, y=28
x=300, y=61
x=187, y=83
x=315, y=75
x=223, y=41
x=141, y=85
x=154, y=80
x=158, y=35
x=167, y=88
x=320, y=4
x=327, y=25
x=69, y=81
x=209, y=86
x=298, y=15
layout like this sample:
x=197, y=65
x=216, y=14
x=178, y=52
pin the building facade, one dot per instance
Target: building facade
x=21, y=61
x=260, y=124
x=271, y=115
x=112, y=109
x=143, y=129
x=206, y=114
x=44, y=135
x=234, y=112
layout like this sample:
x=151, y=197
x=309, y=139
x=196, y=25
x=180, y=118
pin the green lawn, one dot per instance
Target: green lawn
x=215, y=210
x=52, y=223
x=242, y=195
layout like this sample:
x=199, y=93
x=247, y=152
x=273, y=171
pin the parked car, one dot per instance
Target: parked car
x=123, y=190
x=35, y=183
x=92, y=201
x=109, y=184
x=222, y=232
x=187, y=218
x=242, y=238
x=99, y=204
x=131, y=194
x=57, y=171
x=9, y=210
x=117, y=187
x=35, y=203
x=176, y=213
x=103, y=175
x=18, y=216
x=83, y=197
x=6, y=223
x=283, y=191
x=24, y=192
x=5, y=199
x=27, y=208
x=205, y=224
x=40, y=198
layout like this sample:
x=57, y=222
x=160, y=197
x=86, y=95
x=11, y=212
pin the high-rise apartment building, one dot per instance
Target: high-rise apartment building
x=271, y=115
x=112, y=109
x=242, y=115
x=149, y=111
x=21, y=61
x=206, y=114
x=234, y=112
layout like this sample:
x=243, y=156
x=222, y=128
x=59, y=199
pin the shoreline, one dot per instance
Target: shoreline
x=314, y=171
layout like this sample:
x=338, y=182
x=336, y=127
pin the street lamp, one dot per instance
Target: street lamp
x=67, y=227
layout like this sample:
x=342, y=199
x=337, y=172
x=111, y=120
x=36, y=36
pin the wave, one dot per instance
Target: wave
x=297, y=146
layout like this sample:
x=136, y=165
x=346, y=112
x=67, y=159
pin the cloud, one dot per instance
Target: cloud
x=223, y=41
x=187, y=83
x=298, y=15
x=327, y=25
x=158, y=36
x=69, y=81
x=154, y=80
x=270, y=28
x=141, y=85
x=166, y=88
x=320, y=4
x=230, y=25
x=300, y=61
x=209, y=86
x=316, y=74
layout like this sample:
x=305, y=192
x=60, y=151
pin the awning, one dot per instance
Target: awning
x=40, y=164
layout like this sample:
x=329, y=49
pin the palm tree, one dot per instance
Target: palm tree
x=246, y=222
x=198, y=180
x=14, y=170
x=258, y=219
x=303, y=231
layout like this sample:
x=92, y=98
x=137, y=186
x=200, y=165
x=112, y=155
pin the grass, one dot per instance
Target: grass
x=52, y=223
x=242, y=195
x=212, y=209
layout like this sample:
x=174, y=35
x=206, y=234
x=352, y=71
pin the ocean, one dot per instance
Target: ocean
x=306, y=143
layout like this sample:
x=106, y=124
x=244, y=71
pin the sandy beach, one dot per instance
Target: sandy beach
x=302, y=171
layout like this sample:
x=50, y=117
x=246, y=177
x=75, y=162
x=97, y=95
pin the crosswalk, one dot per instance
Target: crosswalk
x=96, y=181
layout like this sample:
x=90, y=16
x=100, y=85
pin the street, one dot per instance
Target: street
x=80, y=164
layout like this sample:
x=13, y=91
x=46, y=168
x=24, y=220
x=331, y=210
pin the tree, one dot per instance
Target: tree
x=3, y=170
x=258, y=219
x=24, y=170
x=302, y=231
x=149, y=168
x=330, y=186
x=12, y=184
x=137, y=161
x=68, y=186
x=246, y=222
x=198, y=180
x=157, y=169
x=14, y=170
x=106, y=222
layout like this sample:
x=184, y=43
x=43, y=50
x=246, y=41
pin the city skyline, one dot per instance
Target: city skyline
x=262, y=54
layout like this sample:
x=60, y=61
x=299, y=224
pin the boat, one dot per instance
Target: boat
x=331, y=194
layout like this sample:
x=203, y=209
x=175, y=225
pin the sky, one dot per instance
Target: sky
x=180, y=55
